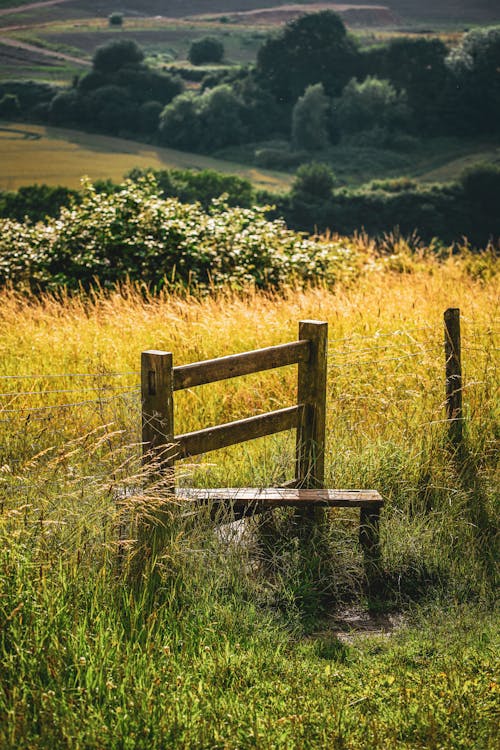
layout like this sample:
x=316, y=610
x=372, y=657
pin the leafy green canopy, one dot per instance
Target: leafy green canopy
x=315, y=48
x=206, y=50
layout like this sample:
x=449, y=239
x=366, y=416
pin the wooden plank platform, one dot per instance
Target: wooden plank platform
x=274, y=497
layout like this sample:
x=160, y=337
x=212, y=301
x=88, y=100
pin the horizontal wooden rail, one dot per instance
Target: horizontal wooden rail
x=211, y=370
x=213, y=438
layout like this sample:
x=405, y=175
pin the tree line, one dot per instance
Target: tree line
x=312, y=83
x=467, y=207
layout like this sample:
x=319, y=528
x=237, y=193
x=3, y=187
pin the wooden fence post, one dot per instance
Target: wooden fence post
x=311, y=391
x=157, y=409
x=454, y=413
x=158, y=451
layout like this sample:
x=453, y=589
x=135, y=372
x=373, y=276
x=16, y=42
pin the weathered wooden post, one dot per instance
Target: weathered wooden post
x=311, y=392
x=158, y=451
x=454, y=413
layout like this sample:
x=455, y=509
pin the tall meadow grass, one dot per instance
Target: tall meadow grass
x=206, y=650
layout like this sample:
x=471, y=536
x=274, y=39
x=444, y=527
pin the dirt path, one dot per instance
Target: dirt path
x=42, y=51
x=31, y=6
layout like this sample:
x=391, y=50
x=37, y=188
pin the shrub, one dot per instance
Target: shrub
x=115, y=19
x=116, y=54
x=314, y=180
x=372, y=103
x=309, y=125
x=9, y=106
x=206, y=50
x=134, y=234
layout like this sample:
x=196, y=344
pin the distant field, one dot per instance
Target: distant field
x=56, y=156
x=59, y=156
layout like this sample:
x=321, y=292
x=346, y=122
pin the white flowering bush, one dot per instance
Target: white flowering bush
x=133, y=234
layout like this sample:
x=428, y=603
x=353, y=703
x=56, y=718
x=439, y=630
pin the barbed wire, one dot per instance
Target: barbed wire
x=68, y=390
x=68, y=405
x=41, y=376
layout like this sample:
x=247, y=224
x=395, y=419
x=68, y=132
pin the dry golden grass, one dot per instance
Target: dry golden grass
x=386, y=359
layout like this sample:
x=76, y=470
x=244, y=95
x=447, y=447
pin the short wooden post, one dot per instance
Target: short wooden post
x=157, y=409
x=311, y=392
x=454, y=413
x=157, y=446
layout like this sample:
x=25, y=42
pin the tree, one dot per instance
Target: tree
x=481, y=186
x=314, y=180
x=314, y=48
x=111, y=109
x=115, y=19
x=149, y=116
x=416, y=66
x=180, y=124
x=206, y=50
x=9, y=106
x=204, y=122
x=372, y=103
x=474, y=93
x=116, y=54
x=309, y=119
x=221, y=112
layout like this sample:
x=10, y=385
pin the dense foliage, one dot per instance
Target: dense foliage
x=132, y=233
x=450, y=211
x=468, y=207
x=120, y=95
x=206, y=50
x=404, y=88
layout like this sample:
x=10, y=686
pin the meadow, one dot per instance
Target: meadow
x=59, y=156
x=249, y=640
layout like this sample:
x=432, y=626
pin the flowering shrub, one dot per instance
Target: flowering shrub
x=137, y=235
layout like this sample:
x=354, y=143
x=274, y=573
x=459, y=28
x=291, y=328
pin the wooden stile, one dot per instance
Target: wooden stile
x=157, y=408
x=306, y=492
x=311, y=391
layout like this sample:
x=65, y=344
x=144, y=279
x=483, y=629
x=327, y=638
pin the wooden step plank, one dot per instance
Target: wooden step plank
x=272, y=497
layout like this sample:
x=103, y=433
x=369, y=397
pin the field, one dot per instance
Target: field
x=166, y=29
x=264, y=639
x=56, y=156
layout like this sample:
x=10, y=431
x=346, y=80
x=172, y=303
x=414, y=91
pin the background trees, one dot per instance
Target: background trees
x=315, y=48
x=206, y=50
x=309, y=119
x=474, y=88
x=369, y=104
x=120, y=95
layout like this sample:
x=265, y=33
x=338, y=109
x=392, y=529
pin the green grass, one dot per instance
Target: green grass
x=243, y=644
x=57, y=156
x=87, y=663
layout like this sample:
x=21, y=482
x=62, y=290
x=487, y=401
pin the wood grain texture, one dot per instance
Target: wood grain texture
x=222, y=368
x=311, y=391
x=221, y=436
x=157, y=407
x=453, y=358
x=272, y=497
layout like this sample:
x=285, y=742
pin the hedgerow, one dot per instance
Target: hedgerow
x=134, y=234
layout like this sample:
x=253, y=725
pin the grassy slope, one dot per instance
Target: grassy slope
x=57, y=156
x=217, y=655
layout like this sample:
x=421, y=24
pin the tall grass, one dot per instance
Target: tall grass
x=207, y=649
